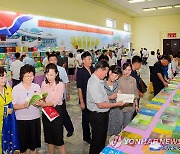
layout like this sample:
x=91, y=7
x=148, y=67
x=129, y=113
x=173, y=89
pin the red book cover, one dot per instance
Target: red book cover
x=50, y=112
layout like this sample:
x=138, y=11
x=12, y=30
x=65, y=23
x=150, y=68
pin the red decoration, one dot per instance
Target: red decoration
x=171, y=34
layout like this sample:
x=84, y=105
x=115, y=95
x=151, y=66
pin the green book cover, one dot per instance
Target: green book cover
x=37, y=97
x=161, y=100
x=165, y=127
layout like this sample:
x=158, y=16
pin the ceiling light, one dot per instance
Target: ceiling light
x=135, y=1
x=176, y=6
x=164, y=7
x=149, y=9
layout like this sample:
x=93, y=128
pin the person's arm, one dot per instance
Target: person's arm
x=66, y=81
x=162, y=79
x=43, y=103
x=136, y=105
x=79, y=82
x=82, y=104
x=106, y=105
x=113, y=96
x=67, y=91
x=140, y=93
x=21, y=106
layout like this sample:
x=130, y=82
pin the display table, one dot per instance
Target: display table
x=160, y=118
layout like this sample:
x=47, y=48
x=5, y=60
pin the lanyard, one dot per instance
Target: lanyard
x=4, y=98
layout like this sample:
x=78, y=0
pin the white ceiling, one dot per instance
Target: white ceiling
x=136, y=9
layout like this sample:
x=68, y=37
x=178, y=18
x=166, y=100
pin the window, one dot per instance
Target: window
x=127, y=27
x=111, y=23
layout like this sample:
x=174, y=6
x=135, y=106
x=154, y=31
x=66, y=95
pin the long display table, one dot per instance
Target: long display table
x=155, y=129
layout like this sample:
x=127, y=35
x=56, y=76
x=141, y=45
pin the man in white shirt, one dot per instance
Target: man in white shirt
x=145, y=56
x=15, y=70
x=28, y=60
x=152, y=59
x=112, y=58
x=128, y=52
x=134, y=53
x=45, y=60
x=78, y=58
x=119, y=56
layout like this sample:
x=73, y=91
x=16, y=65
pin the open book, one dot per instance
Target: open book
x=126, y=98
x=37, y=97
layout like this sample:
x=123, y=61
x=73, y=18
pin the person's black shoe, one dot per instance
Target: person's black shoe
x=69, y=134
x=88, y=140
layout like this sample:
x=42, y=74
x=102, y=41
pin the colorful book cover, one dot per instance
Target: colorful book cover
x=50, y=112
x=174, y=82
x=155, y=135
x=163, y=131
x=176, y=134
x=165, y=126
x=178, y=122
x=168, y=90
x=171, y=117
x=161, y=100
x=173, y=86
x=147, y=112
x=141, y=121
x=37, y=97
x=164, y=93
x=156, y=103
x=152, y=106
x=178, y=91
x=172, y=110
x=176, y=97
x=109, y=150
x=162, y=96
x=175, y=103
x=130, y=135
x=146, y=149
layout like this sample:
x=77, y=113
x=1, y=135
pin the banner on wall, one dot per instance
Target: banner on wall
x=43, y=32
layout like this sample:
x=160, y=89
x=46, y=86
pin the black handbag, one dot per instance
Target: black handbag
x=143, y=86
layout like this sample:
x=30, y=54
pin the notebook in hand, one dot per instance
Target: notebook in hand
x=50, y=112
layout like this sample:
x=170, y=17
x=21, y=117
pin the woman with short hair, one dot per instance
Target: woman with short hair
x=28, y=116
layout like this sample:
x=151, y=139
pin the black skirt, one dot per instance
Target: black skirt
x=71, y=71
x=53, y=131
x=29, y=132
